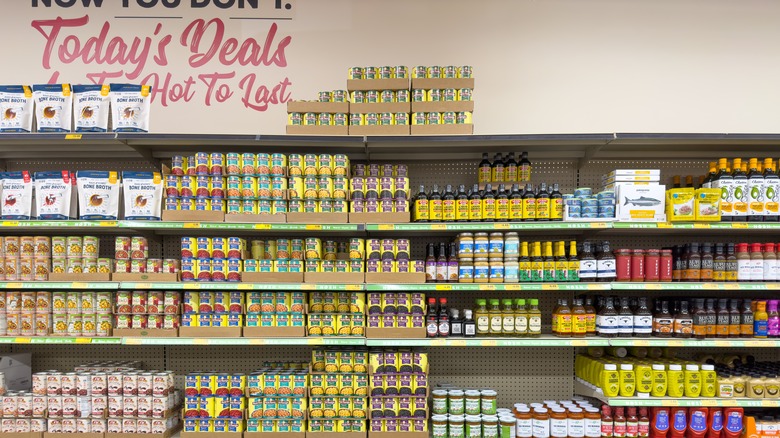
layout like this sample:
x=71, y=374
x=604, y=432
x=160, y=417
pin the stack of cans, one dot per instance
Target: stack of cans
x=379, y=188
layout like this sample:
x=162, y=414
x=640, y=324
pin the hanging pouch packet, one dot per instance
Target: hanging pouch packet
x=53, y=107
x=17, y=195
x=130, y=106
x=98, y=193
x=143, y=195
x=53, y=191
x=91, y=107
x=16, y=108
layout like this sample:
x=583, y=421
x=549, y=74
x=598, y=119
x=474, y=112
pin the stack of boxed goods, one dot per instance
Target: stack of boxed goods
x=639, y=195
x=328, y=115
x=338, y=391
x=214, y=402
x=277, y=398
x=584, y=205
x=380, y=100
x=442, y=100
x=399, y=392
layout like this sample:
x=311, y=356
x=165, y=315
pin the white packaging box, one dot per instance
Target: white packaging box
x=18, y=371
x=635, y=172
x=640, y=202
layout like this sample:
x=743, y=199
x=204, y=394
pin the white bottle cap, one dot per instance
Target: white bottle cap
x=707, y=367
x=658, y=367
x=626, y=367
x=675, y=367
x=691, y=367
x=610, y=367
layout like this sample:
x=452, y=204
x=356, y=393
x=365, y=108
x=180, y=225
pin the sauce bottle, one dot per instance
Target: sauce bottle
x=643, y=319
x=556, y=204
x=510, y=168
x=482, y=318
x=442, y=267
x=722, y=319
x=663, y=321
x=592, y=422
x=605, y=264
x=462, y=205
x=732, y=264
x=719, y=264
x=643, y=424
x=773, y=320
x=488, y=205
x=697, y=422
x=435, y=205
x=524, y=265
x=515, y=204
x=715, y=423
x=548, y=265
x=734, y=319
x=421, y=206
x=659, y=381
x=755, y=192
x=707, y=260
x=524, y=168
x=529, y=203
x=659, y=423
x=679, y=264
x=740, y=204
x=537, y=263
x=607, y=320
x=771, y=192
x=607, y=422
x=679, y=422
x=456, y=323
x=430, y=264
x=540, y=423
x=558, y=423
x=770, y=262
x=692, y=378
x=644, y=379
x=699, y=320
x=452, y=264
x=711, y=318
x=448, y=205
x=756, y=262
x=579, y=324
x=590, y=317
x=502, y=204
x=725, y=182
x=444, y=319
x=496, y=322
x=625, y=319
x=619, y=422
x=469, y=325
x=475, y=204
x=709, y=379
x=632, y=423
x=746, y=320
x=507, y=318
x=431, y=319
x=573, y=273
x=542, y=203
x=534, y=318
x=627, y=380
x=693, y=261
x=575, y=422
x=675, y=386
x=497, y=170
x=564, y=326
x=683, y=322
x=760, y=320
x=521, y=318
x=561, y=262
x=588, y=264
x=484, y=172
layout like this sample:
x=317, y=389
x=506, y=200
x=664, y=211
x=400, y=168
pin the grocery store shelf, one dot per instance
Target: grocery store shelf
x=542, y=341
x=225, y=226
x=695, y=286
x=58, y=340
x=490, y=226
x=488, y=287
x=586, y=390
x=238, y=286
x=40, y=225
x=716, y=343
x=105, y=285
x=663, y=227
x=334, y=340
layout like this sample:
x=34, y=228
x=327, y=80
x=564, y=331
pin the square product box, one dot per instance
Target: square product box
x=636, y=178
x=317, y=107
x=634, y=172
x=316, y=130
x=640, y=202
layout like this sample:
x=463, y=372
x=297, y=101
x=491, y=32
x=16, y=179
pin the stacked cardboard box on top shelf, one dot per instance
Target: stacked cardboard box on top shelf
x=391, y=101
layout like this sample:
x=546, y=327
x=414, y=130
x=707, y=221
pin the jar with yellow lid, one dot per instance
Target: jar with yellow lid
x=481, y=270
x=496, y=246
x=465, y=245
x=466, y=270
x=481, y=245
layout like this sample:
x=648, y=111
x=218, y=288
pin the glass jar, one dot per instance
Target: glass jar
x=623, y=264
x=439, y=426
x=473, y=401
x=652, y=265
x=457, y=426
x=496, y=271
x=489, y=402
x=473, y=426
x=439, y=405
x=496, y=246
x=489, y=426
x=456, y=401
x=481, y=244
x=481, y=270
x=511, y=246
x=466, y=245
x=466, y=270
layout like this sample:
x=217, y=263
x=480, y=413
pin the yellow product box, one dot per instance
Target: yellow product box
x=707, y=205
x=680, y=205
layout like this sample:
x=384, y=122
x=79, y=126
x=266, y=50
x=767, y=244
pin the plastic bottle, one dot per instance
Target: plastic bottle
x=679, y=418
x=644, y=379
x=610, y=380
x=607, y=422
x=675, y=381
x=715, y=423
x=659, y=422
x=627, y=380
x=709, y=381
x=760, y=320
x=534, y=318
x=697, y=422
x=643, y=425
x=773, y=320
x=632, y=423
x=732, y=422
x=692, y=380
x=619, y=429
x=659, y=381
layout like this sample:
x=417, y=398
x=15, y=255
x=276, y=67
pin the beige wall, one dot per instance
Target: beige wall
x=542, y=66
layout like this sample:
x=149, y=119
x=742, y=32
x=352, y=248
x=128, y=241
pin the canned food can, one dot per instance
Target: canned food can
x=203, y=186
x=74, y=246
x=278, y=206
x=448, y=118
x=400, y=71
x=418, y=118
x=434, y=72
x=248, y=187
x=449, y=95
x=325, y=96
x=340, y=96
x=355, y=73
x=465, y=71
x=356, y=119
x=89, y=324
x=420, y=71
x=401, y=205
x=371, y=119
x=232, y=163
x=217, y=184
x=73, y=266
x=139, y=248
x=324, y=165
x=263, y=190
x=278, y=187
x=340, y=187
x=295, y=206
x=340, y=119
x=172, y=186
x=370, y=73
x=26, y=246
x=309, y=119
x=386, y=72
x=419, y=95
x=449, y=72
x=433, y=118
x=263, y=164
x=357, y=96
x=463, y=118
x=172, y=204
x=402, y=96
x=104, y=325
x=218, y=204
x=202, y=204
x=464, y=94
x=435, y=95
x=216, y=163
x=372, y=96
x=324, y=187
x=386, y=119
x=325, y=205
x=324, y=119
x=387, y=96
x=178, y=164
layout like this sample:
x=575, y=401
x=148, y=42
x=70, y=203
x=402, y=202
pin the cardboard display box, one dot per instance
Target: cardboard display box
x=381, y=107
x=379, y=130
x=79, y=277
x=168, y=433
x=159, y=277
x=442, y=107
x=274, y=332
x=334, y=277
x=335, y=435
x=396, y=333
x=274, y=434
x=192, y=216
x=210, y=435
x=465, y=128
x=209, y=332
x=26, y=435
x=272, y=277
x=378, y=84
x=317, y=218
x=73, y=435
x=146, y=333
x=278, y=218
x=317, y=130
x=18, y=371
x=398, y=434
x=380, y=218
x=430, y=83
x=317, y=107
x=640, y=202
x=395, y=277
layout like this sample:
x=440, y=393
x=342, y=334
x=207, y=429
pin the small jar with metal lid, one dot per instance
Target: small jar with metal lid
x=481, y=244
x=439, y=405
x=511, y=246
x=496, y=246
x=489, y=402
x=473, y=401
x=473, y=426
x=481, y=270
x=439, y=423
x=465, y=245
x=456, y=401
x=466, y=270
x=496, y=273
x=489, y=426
x=457, y=426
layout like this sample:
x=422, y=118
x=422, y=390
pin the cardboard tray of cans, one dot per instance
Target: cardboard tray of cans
x=381, y=107
x=379, y=84
x=380, y=218
x=395, y=333
x=317, y=218
x=210, y=435
x=79, y=277
x=335, y=434
x=431, y=83
x=334, y=277
x=464, y=128
x=274, y=434
x=379, y=130
x=155, y=277
x=442, y=107
x=317, y=107
x=168, y=433
x=73, y=435
x=272, y=277
x=395, y=277
x=398, y=434
x=192, y=216
x=25, y=435
x=278, y=218
x=146, y=333
x=317, y=130
x=210, y=332
x=274, y=332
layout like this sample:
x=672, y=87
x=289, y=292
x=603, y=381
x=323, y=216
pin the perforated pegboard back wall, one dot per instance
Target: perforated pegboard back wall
x=118, y=165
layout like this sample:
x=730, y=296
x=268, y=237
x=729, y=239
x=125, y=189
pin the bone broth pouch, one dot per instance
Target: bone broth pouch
x=130, y=106
x=16, y=108
x=53, y=107
x=98, y=193
x=91, y=107
x=53, y=191
x=143, y=195
x=17, y=195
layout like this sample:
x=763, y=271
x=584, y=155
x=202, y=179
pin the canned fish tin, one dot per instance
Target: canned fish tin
x=434, y=95
x=357, y=96
x=356, y=119
x=372, y=96
x=340, y=119
x=418, y=118
x=419, y=95
x=448, y=118
x=386, y=72
x=355, y=73
x=325, y=96
x=449, y=95
x=386, y=119
x=387, y=96
x=370, y=73
x=324, y=119
x=465, y=71
x=462, y=118
x=400, y=72
x=433, y=118
x=309, y=119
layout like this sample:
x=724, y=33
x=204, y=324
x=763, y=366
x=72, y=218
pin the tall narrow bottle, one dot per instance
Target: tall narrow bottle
x=448, y=205
x=497, y=173
x=548, y=275
x=725, y=182
x=707, y=183
x=534, y=318
x=771, y=192
x=524, y=168
x=502, y=204
x=435, y=205
x=556, y=204
x=485, y=170
x=516, y=204
x=529, y=203
x=475, y=204
x=421, y=207
x=740, y=192
x=542, y=203
x=510, y=168
x=524, y=270
x=462, y=205
x=488, y=204
x=755, y=190
x=537, y=263
x=574, y=263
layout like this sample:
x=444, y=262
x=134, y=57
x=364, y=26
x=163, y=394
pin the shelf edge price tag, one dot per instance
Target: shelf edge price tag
x=191, y=286
x=83, y=340
x=191, y=225
x=664, y=225
x=73, y=136
x=489, y=343
x=309, y=286
x=315, y=227
x=78, y=285
x=652, y=286
x=739, y=225
x=700, y=225
x=13, y=285
x=438, y=226
x=21, y=340
x=598, y=225
x=200, y=341
x=244, y=286
x=731, y=286
x=354, y=287
x=262, y=226
x=487, y=287
x=10, y=223
x=512, y=287
x=443, y=287
x=579, y=343
x=386, y=227
x=458, y=343
x=550, y=286
x=501, y=226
